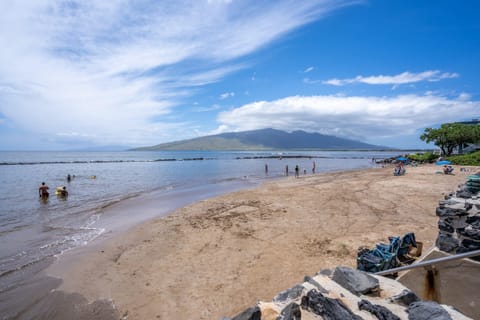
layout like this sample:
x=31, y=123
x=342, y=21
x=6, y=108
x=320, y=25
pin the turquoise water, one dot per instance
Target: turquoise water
x=33, y=231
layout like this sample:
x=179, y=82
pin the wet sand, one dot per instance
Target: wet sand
x=219, y=256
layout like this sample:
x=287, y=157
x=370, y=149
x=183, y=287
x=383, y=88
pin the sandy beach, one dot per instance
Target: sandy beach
x=219, y=256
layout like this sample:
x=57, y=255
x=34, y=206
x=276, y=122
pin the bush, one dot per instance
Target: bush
x=471, y=159
x=423, y=157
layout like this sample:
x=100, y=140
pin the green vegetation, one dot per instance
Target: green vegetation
x=424, y=157
x=471, y=159
x=451, y=136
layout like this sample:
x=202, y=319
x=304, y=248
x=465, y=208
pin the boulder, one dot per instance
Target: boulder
x=328, y=308
x=380, y=312
x=253, y=313
x=446, y=242
x=450, y=212
x=291, y=312
x=405, y=298
x=289, y=294
x=355, y=281
x=427, y=310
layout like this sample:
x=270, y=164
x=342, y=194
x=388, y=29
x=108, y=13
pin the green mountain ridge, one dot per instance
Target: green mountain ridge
x=265, y=139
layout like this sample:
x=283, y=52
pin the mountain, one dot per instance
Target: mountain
x=265, y=139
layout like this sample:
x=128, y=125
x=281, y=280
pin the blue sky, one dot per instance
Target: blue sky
x=79, y=74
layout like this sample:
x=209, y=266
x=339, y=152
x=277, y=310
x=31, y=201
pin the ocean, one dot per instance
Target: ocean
x=33, y=232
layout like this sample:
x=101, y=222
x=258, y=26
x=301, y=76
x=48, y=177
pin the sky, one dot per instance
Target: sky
x=130, y=73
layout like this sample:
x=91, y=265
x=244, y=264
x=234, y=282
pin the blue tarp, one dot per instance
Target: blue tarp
x=385, y=256
x=442, y=162
x=401, y=159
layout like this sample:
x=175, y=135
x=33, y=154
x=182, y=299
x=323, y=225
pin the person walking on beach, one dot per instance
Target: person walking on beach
x=286, y=170
x=313, y=167
x=296, y=171
x=43, y=191
x=266, y=169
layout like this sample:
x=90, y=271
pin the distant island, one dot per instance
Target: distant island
x=265, y=139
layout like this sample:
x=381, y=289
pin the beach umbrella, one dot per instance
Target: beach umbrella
x=401, y=159
x=442, y=162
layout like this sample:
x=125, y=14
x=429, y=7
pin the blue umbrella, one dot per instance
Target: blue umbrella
x=401, y=159
x=442, y=162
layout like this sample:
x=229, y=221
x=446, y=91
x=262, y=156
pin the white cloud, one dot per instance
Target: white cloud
x=110, y=70
x=464, y=96
x=364, y=118
x=402, y=78
x=309, y=69
x=226, y=95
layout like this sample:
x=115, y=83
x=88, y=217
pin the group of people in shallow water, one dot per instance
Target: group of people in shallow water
x=59, y=191
x=297, y=170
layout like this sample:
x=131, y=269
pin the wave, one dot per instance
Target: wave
x=13, y=268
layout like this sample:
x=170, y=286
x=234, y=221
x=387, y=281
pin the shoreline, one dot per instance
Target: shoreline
x=214, y=257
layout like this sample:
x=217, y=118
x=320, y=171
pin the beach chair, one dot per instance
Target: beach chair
x=400, y=171
x=448, y=170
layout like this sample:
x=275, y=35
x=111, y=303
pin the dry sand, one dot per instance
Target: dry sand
x=219, y=256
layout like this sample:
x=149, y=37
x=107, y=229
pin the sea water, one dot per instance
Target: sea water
x=34, y=231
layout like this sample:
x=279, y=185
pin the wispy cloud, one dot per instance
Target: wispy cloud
x=310, y=81
x=227, y=95
x=76, y=67
x=309, y=69
x=352, y=117
x=206, y=109
x=402, y=78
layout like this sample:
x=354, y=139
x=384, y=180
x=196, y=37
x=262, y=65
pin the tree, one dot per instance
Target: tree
x=451, y=135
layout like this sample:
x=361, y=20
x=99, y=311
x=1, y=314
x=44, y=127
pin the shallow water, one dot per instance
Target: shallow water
x=33, y=231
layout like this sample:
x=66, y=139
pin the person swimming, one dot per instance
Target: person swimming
x=61, y=191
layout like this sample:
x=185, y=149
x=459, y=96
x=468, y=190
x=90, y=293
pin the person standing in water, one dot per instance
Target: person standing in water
x=43, y=191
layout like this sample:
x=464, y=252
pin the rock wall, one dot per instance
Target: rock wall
x=348, y=294
x=459, y=222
